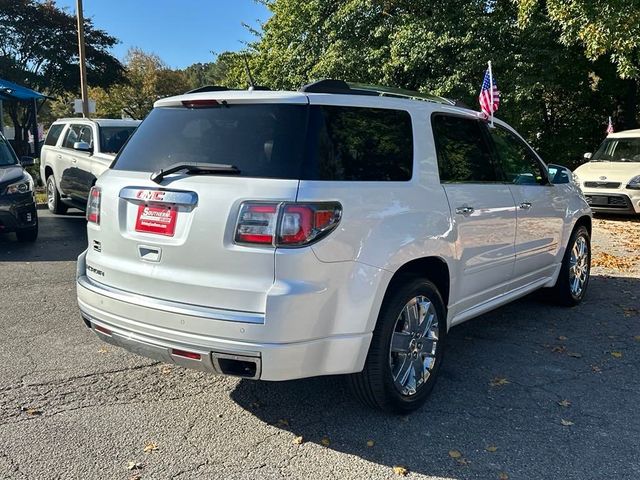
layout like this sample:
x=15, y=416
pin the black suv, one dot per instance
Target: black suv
x=17, y=198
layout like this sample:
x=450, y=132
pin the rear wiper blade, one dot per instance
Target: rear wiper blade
x=194, y=167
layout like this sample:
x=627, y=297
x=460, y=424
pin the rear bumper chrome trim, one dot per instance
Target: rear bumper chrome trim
x=170, y=306
x=162, y=350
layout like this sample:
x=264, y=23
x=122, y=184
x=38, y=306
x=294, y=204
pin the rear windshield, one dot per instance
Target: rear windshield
x=618, y=150
x=277, y=141
x=113, y=138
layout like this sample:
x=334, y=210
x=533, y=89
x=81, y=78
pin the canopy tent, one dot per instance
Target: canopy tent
x=13, y=92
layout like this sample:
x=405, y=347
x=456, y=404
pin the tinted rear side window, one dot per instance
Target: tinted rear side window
x=359, y=144
x=54, y=134
x=113, y=138
x=262, y=140
x=463, y=151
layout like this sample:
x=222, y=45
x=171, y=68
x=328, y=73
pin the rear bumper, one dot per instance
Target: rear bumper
x=139, y=328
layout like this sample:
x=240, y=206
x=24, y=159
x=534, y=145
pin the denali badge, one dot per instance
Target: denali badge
x=95, y=270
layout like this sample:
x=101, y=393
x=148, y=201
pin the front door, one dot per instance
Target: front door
x=482, y=209
x=540, y=207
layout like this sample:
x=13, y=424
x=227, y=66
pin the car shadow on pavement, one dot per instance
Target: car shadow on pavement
x=530, y=390
x=60, y=238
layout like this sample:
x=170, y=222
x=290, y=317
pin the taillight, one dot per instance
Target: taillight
x=93, y=206
x=286, y=224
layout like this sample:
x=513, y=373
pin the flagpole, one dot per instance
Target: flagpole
x=491, y=92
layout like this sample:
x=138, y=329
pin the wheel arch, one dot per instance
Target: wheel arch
x=433, y=268
x=583, y=221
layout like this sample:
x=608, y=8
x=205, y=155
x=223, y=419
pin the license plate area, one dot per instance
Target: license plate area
x=156, y=219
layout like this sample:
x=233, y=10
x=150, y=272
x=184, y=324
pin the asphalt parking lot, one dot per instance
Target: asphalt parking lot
x=530, y=391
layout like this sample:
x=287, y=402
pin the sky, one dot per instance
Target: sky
x=180, y=32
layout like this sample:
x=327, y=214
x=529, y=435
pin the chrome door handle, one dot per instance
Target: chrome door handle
x=525, y=205
x=466, y=211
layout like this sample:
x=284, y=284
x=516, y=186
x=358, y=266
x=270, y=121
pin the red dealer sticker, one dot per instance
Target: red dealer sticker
x=158, y=219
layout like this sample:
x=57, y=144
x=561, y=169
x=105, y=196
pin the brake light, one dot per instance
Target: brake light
x=200, y=103
x=286, y=224
x=93, y=206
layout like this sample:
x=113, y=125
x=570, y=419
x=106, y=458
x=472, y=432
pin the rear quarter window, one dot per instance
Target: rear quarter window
x=54, y=134
x=360, y=144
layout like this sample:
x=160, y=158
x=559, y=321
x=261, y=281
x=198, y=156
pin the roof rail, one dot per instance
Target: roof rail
x=208, y=88
x=344, y=88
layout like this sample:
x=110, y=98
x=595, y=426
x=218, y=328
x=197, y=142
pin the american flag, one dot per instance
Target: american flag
x=485, y=95
x=610, y=126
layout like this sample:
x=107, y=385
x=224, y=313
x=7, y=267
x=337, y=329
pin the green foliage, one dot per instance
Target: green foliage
x=147, y=80
x=553, y=92
x=39, y=48
x=604, y=27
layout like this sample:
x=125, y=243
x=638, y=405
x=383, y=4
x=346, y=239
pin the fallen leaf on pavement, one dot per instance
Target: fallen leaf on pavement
x=455, y=454
x=135, y=477
x=575, y=354
x=131, y=465
x=298, y=440
x=166, y=370
x=564, y=403
x=31, y=411
x=630, y=311
x=503, y=476
x=325, y=442
x=616, y=354
x=283, y=422
x=103, y=350
x=400, y=470
x=559, y=349
x=370, y=443
x=562, y=338
x=637, y=338
x=498, y=382
x=150, y=447
x=491, y=448
x=566, y=423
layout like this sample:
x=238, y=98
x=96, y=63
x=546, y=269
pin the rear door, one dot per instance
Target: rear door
x=65, y=161
x=191, y=257
x=482, y=208
x=541, y=208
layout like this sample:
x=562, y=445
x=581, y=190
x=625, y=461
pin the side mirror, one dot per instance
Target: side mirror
x=27, y=161
x=587, y=156
x=82, y=146
x=559, y=174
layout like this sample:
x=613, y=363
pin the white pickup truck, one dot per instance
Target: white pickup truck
x=75, y=153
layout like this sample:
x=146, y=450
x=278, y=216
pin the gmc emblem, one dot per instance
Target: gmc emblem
x=150, y=195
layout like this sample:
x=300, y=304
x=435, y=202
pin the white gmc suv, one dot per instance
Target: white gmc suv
x=333, y=230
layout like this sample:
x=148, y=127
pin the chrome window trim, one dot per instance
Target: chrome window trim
x=169, y=306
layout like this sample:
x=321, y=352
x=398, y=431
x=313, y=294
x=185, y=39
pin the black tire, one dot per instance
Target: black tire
x=53, y=197
x=27, y=235
x=563, y=293
x=375, y=385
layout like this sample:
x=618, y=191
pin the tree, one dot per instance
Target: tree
x=210, y=73
x=39, y=48
x=147, y=79
x=552, y=92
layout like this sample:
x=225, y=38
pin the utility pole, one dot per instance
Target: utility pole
x=83, y=68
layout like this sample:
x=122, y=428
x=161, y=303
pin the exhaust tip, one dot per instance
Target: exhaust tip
x=238, y=368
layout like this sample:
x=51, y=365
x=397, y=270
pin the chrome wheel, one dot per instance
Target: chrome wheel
x=51, y=194
x=578, y=266
x=414, y=342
